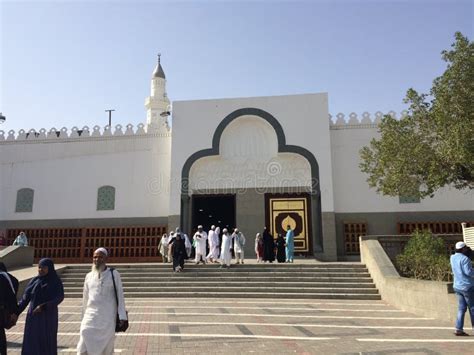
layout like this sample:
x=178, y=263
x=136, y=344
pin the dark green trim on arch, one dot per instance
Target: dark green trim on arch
x=282, y=148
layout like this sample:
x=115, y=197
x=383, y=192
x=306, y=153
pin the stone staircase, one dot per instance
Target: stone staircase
x=295, y=281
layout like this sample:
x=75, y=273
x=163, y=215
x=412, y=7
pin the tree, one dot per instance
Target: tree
x=433, y=145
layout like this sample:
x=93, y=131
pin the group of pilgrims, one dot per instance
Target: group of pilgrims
x=213, y=248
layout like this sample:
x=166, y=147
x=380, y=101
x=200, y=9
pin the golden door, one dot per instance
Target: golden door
x=293, y=210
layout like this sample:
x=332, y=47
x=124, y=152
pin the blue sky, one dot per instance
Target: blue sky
x=63, y=63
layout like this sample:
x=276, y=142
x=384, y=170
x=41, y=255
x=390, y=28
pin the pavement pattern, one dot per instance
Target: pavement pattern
x=256, y=326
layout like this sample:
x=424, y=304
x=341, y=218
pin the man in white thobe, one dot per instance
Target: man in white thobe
x=99, y=308
x=239, y=242
x=213, y=239
x=226, y=245
x=200, y=239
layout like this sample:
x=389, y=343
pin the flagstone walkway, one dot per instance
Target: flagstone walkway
x=259, y=326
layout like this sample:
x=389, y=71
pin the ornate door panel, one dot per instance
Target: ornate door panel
x=282, y=210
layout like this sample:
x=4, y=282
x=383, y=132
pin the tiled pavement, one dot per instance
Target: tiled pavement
x=246, y=326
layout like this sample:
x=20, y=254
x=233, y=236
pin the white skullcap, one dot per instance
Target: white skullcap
x=213, y=227
x=102, y=250
x=460, y=245
x=224, y=230
x=236, y=229
x=199, y=226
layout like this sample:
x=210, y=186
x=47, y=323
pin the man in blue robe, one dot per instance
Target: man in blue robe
x=290, y=244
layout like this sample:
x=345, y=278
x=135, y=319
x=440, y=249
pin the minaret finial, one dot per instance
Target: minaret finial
x=159, y=58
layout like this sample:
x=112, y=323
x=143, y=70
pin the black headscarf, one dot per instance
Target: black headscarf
x=44, y=288
x=3, y=267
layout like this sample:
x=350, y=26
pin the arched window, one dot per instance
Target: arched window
x=24, y=200
x=106, y=198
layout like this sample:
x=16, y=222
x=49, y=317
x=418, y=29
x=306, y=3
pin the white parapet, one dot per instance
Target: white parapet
x=339, y=121
x=76, y=133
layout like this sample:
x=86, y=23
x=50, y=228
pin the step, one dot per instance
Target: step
x=241, y=295
x=191, y=264
x=242, y=288
x=225, y=278
x=231, y=272
x=294, y=281
x=175, y=283
x=215, y=268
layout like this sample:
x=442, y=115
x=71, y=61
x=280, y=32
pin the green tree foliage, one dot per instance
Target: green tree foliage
x=433, y=145
x=425, y=257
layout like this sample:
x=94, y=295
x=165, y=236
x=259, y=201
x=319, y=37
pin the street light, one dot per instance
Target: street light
x=2, y=118
x=110, y=117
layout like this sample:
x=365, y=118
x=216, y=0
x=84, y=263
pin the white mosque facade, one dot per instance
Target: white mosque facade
x=246, y=162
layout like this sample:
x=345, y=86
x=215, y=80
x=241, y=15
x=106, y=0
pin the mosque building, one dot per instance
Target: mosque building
x=246, y=162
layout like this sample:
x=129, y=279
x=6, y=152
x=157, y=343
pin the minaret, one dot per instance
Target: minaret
x=157, y=104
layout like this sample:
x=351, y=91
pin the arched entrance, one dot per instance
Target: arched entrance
x=287, y=155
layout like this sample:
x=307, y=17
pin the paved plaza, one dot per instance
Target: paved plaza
x=251, y=326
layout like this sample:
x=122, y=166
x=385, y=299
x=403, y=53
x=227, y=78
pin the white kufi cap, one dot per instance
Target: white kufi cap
x=102, y=250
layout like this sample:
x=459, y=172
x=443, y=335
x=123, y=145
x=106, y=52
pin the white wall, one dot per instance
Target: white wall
x=66, y=174
x=352, y=193
x=304, y=119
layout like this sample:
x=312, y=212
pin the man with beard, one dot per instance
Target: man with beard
x=99, y=307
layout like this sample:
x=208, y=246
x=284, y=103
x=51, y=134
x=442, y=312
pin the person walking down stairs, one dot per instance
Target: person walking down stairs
x=239, y=242
x=290, y=244
x=226, y=245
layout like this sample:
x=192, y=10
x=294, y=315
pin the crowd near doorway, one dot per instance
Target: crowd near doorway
x=218, y=210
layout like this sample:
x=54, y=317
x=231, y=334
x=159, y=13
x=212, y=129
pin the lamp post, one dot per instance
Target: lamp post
x=110, y=117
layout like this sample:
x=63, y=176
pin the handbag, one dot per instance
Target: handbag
x=118, y=326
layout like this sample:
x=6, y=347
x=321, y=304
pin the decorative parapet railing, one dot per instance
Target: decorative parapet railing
x=76, y=245
x=337, y=122
x=353, y=121
x=84, y=133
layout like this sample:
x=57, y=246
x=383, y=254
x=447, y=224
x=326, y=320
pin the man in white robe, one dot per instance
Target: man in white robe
x=226, y=245
x=239, y=242
x=213, y=239
x=200, y=239
x=99, y=308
